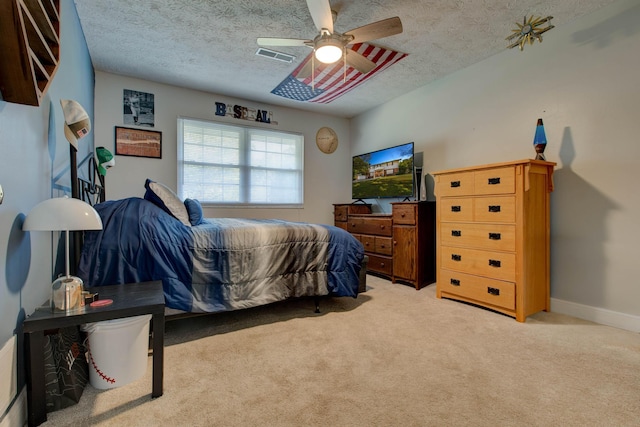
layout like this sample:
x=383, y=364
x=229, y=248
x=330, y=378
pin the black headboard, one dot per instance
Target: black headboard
x=90, y=190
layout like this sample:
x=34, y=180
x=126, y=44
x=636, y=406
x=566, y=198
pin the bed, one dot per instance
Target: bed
x=211, y=265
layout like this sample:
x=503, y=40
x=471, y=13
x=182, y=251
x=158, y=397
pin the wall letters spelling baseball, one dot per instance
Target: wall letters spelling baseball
x=244, y=113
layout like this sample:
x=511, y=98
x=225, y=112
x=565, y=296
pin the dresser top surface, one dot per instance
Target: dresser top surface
x=497, y=165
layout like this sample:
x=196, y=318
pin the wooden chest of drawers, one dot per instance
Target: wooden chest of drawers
x=493, y=236
x=400, y=245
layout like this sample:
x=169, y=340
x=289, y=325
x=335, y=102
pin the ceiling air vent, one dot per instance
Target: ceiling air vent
x=272, y=54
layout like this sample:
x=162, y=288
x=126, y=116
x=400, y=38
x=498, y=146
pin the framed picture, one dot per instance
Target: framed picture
x=138, y=108
x=138, y=142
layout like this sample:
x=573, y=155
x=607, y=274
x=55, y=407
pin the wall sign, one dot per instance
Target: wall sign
x=244, y=113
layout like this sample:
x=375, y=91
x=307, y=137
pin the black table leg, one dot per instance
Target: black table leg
x=158, y=353
x=36, y=404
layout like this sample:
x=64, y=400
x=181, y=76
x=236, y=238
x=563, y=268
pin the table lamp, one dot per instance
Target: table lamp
x=540, y=140
x=64, y=214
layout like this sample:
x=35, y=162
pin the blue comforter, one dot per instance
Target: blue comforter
x=222, y=264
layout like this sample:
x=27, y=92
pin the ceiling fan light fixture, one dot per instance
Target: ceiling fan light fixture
x=328, y=50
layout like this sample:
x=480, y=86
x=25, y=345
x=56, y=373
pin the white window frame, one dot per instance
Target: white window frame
x=244, y=165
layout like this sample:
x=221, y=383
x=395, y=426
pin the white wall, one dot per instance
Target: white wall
x=583, y=81
x=326, y=178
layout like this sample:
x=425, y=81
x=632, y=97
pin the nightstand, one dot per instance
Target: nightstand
x=128, y=300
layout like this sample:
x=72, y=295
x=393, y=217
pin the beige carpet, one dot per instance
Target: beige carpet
x=392, y=357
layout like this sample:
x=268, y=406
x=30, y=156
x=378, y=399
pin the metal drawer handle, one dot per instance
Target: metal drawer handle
x=494, y=181
x=455, y=184
x=494, y=208
x=493, y=291
x=494, y=263
x=382, y=264
x=455, y=209
x=495, y=236
x=456, y=233
x=455, y=282
x=456, y=257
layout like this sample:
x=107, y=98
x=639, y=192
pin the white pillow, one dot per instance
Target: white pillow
x=163, y=196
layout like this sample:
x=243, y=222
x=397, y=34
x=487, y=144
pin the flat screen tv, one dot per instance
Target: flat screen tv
x=383, y=173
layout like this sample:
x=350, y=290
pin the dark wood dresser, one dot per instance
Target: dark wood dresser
x=400, y=245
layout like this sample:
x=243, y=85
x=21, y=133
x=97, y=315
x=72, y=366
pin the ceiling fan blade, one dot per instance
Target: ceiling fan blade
x=321, y=13
x=376, y=30
x=359, y=62
x=274, y=41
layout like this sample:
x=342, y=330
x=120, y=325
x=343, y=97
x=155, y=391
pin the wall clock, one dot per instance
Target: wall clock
x=327, y=140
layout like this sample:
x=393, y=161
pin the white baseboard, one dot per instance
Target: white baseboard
x=13, y=409
x=17, y=415
x=598, y=315
x=8, y=373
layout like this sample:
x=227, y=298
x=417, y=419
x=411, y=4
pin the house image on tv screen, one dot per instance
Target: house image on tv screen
x=389, y=168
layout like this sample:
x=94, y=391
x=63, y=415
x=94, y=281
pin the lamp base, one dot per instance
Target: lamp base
x=66, y=294
x=540, y=151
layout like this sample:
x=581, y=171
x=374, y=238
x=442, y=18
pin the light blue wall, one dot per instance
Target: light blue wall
x=34, y=166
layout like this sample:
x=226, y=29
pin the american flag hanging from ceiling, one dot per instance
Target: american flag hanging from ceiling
x=329, y=80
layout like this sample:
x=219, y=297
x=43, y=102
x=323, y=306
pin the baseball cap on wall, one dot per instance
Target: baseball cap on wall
x=105, y=160
x=76, y=121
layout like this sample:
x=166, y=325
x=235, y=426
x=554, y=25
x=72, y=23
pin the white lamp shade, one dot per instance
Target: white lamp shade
x=62, y=213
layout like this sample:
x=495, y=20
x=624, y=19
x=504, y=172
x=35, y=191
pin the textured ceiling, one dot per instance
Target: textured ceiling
x=210, y=45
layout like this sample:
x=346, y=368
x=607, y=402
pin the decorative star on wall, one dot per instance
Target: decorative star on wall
x=529, y=31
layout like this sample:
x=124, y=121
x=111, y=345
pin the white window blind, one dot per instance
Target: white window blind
x=237, y=165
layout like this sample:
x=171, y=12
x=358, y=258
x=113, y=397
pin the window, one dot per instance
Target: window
x=237, y=165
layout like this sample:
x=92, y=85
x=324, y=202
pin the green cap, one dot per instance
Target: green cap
x=105, y=160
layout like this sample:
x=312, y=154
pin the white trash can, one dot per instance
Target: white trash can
x=118, y=350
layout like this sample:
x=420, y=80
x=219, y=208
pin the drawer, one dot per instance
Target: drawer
x=379, y=226
x=492, y=237
x=340, y=213
x=489, y=291
x=495, y=181
x=456, y=209
x=455, y=184
x=383, y=245
x=380, y=264
x=369, y=242
x=496, y=265
x=404, y=214
x=495, y=209
x=376, y=244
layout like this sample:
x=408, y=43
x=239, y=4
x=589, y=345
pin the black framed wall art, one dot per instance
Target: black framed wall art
x=138, y=108
x=138, y=142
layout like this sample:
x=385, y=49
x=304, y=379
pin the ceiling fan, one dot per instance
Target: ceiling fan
x=330, y=46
